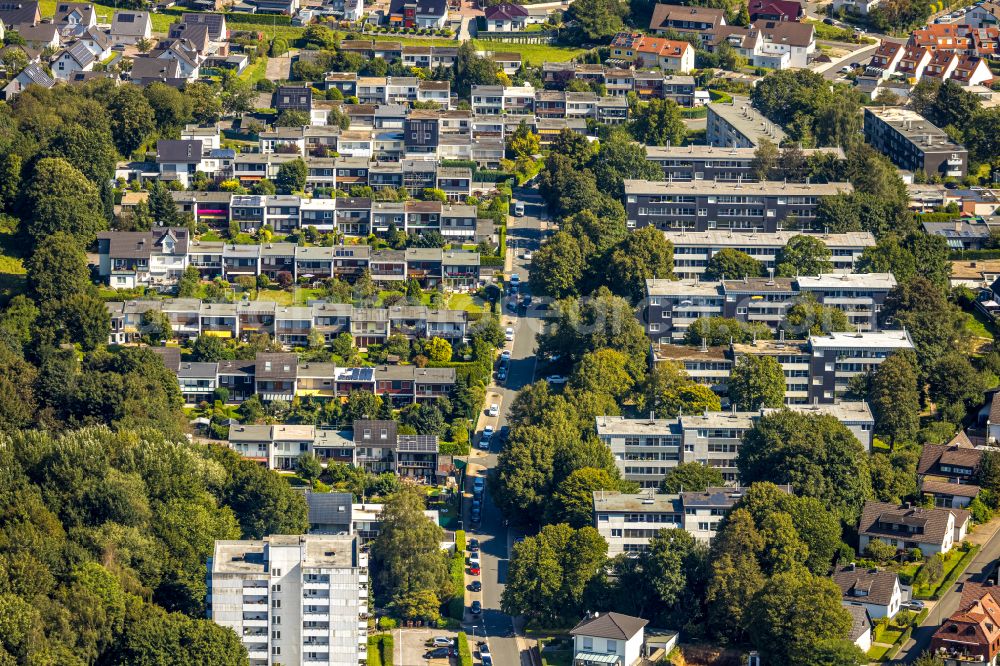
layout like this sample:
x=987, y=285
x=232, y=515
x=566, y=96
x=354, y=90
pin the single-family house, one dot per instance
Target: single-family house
x=76, y=58
x=72, y=14
x=906, y=526
x=860, y=632
x=128, y=27
x=876, y=591
x=775, y=10
x=971, y=635
x=608, y=639
x=947, y=472
x=19, y=12
x=506, y=17
x=32, y=74
x=418, y=13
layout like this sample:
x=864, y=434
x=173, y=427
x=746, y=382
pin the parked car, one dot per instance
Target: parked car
x=502, y=374
x=477, y=608
x=475, y=586
x=439, y=642
x=508, y=335
x=914, y=605
x=515, y=279
x=474, y=571
x=487, y=660
x=527, y=255
x=474, y=559
x=484, y=649
x=557, y=379
x=473, y=545
x=503, y=433
x=438, y=653
x=494, y=410
x=505, y=355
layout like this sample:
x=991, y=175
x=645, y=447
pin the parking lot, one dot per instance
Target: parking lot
x=410, y=647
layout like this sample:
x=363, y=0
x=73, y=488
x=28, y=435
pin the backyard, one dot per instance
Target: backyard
x=556, y=651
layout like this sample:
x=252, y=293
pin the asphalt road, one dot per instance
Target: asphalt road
x=861, y=56
x=980, y=568
x=495, y=538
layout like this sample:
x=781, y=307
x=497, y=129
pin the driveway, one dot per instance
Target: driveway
x=979, y=569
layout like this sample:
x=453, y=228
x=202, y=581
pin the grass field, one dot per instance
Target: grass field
x=298, y=296
x=877, y=653
x=465, y=302
x=256, y=71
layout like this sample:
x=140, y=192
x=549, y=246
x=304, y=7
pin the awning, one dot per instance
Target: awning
x=593, y=658
x=218, y=334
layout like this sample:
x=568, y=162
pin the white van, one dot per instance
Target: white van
x=519, y=209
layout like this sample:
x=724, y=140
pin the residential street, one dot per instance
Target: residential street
x=494, y=536
x=980, y=568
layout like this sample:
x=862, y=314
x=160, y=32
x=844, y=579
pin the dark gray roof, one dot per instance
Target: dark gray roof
x=276, y=366
x=171, y=357
x=329, y=508
x=184, y=150
x=860, y=622
x=197, y=369
x=146, y=67
x=215, y=23
x=130, y=23
x=12, y=13
x=609, y=625
x=865, y=585
x=417, y=443
x=63, y=10
x=35, y=74
x=369, y=432
x=505, y=11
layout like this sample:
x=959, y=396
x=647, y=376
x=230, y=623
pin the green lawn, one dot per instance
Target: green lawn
x=556, y=652
x=890, y=635
x=534, y=54
x=955, y=561
x=161, y=20
x=256, y=71
x=878, y=652
x=465, y=302
x=298, y=296
x=978, y=325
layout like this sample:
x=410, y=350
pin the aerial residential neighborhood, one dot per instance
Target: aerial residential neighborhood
x=475, y=332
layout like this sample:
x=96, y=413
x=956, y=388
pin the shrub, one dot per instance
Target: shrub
x=464, y=653
x=915, y=554
x=387, y=649
x=880, y=550
x=460, y=541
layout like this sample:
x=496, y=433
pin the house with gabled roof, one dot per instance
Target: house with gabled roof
x=216, y=23
x=971, y=635
x=128, y=27
x=906, y=527
x=98, y=41
x=39, y=35
x=18, y=12
x=608, y=639
x=32, y=74
x=70, y=14
x=775, y=10
x=76, y=58
x=876, y=591
x=972, y=71
x=506, y=17
x=147, y=69
x=948, y=474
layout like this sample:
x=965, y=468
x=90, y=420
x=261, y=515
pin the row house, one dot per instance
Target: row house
x=619, y=81
x=278, y=376
x=372, y=445
x=425, y=57
x=693, y=250
x=965, y=61
x=181, y=159
x=647, y=51
x=158, y=259
x=707, y=205
x=674, y=305
x=688, y=163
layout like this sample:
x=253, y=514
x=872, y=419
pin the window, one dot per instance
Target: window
x=616, y=533
x=276, y=588
x=612, y=645
x=276, y=634
x=275, y=603
x=704, y=527
x=275, y=649
x=275, y=572
x=588, y=643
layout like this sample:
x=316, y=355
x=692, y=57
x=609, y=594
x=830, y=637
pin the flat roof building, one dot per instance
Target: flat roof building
x=913, y=143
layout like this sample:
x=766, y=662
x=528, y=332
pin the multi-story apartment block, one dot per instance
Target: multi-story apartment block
x=628, y=521
x=693, y=250
x=688, y=163
x=792, y=355
x=296, y=599
x=673, y=305
x=913, y=143
x=709, y=366
x=739, y=125
x=838, y=357
x=646, y=449
x=705, y=205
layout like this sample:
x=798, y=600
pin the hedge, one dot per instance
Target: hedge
x=257, y=19
x=374, y=651
x=938, y=217
x=486, y=261
x=460, y=540
x=456, y=606
x=388, y=649
x=960, y=255
x=464, y=653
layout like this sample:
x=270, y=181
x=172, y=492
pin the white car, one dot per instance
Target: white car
x=527, y=255
x=556, y=379
x=487, y=433
x=494, y=410
x=509, y=334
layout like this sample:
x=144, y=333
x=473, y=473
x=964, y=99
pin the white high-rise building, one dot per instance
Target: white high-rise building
x=293, y=600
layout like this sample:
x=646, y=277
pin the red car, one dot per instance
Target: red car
x=474, y=570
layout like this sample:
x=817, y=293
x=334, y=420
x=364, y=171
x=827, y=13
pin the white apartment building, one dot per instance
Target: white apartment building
x=294, y=600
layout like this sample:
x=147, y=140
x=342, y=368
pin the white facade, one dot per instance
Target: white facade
x=628, y=652
x=293, y=600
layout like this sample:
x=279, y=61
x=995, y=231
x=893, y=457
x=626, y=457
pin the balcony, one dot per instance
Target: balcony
x=255, y=607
